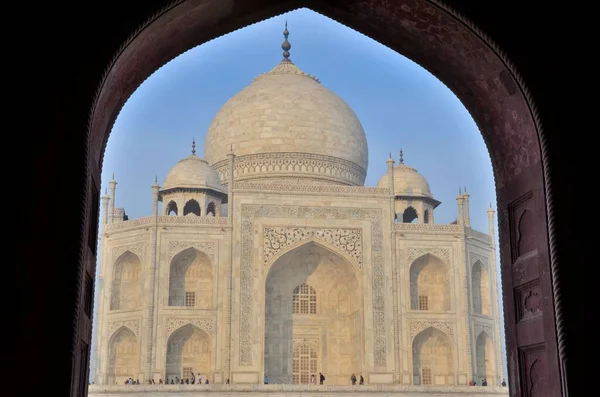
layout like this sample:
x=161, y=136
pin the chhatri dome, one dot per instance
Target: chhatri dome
x=407, y=181
x=286, y=126
x=192, y=172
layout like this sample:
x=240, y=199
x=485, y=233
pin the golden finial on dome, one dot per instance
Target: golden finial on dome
x=401, y=156
x=194, y=146
x=286, y=46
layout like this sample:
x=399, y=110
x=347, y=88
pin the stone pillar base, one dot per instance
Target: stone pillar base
x=242, y=378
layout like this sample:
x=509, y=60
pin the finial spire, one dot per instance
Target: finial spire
x=465, y=190
x=155, y=178
x=459, y=191
x=401, y=156
x=193, y=146
x=286, y=46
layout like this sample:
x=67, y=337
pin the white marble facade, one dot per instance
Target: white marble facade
x=272, y=258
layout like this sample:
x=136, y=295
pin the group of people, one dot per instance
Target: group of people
x=353, y=380
x=484, y=382
x=312, y=379
x=193, y=379
x=176, y=381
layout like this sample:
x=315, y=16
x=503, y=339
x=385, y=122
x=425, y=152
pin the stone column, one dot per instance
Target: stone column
x=228, y=356
x=466, y=204
x=460, y=199
x=395, y=297
x=113, y=188
x=105, y=200
x=151, y=312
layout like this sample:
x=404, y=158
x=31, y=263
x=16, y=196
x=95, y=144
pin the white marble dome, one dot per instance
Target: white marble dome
x=407, y=182
x=192, y=172
x=286, y=125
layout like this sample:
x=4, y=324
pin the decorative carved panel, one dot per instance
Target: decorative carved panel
x=521, y=226
x=348, y=240
x=208, y=248
x=417, y=326
x=137, y=249
x=205, y=324
x=250, y=212
x=441, y=253
x=113, y=326
x=532, y=370
x=313, y=342
x=476, y=257
x=528, y=301
x=479, y=328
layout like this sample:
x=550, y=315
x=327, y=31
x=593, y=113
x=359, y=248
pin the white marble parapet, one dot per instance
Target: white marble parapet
x=280, y=390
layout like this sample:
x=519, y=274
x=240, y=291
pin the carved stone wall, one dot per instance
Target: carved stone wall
x=113, y=326
x=479, y=328
x=348, y=240
x=414, y=253
x=208, y=248
x=294, y=165
x=250, y=212
x=173, y=324
x=137, y=249
x=477, y=257
x=415, y=327
x=313, y=342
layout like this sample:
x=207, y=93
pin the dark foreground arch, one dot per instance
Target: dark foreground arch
x=458, y=53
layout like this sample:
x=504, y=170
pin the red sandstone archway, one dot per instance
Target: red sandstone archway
x=472, y=67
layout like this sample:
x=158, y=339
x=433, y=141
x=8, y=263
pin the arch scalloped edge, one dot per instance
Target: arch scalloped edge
x=556, y=287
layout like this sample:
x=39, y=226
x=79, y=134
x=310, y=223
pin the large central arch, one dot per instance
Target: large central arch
x=313, y=316
x=464, y=59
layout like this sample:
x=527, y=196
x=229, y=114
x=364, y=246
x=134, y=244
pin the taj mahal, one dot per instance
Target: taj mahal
x=269, y=257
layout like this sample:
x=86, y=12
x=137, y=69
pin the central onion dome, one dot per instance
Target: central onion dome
x=287, y=127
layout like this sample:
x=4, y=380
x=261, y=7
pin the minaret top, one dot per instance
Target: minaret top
x=286, y=46
x=390, y=160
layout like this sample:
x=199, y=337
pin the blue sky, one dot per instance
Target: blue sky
x=399, y=104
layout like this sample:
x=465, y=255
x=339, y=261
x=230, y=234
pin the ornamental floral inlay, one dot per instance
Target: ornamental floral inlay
x=137, y=249
x=114, y=326
x=248, y=215
x=348, y=240
x=205, y=324
x=441, y=253
x=417, y=326
x=176, y=247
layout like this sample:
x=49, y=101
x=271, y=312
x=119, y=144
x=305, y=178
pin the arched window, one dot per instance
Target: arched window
x=211, y=209
x=171, y=208
x=191, y=207
x=305, y=300
x=410, y=215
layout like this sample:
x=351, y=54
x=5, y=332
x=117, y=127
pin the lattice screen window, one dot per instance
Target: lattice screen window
x=304, y=365
x=305, y=299
x=190, y=299
x=423, y=302
x=187, y=373
x=426, y=373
